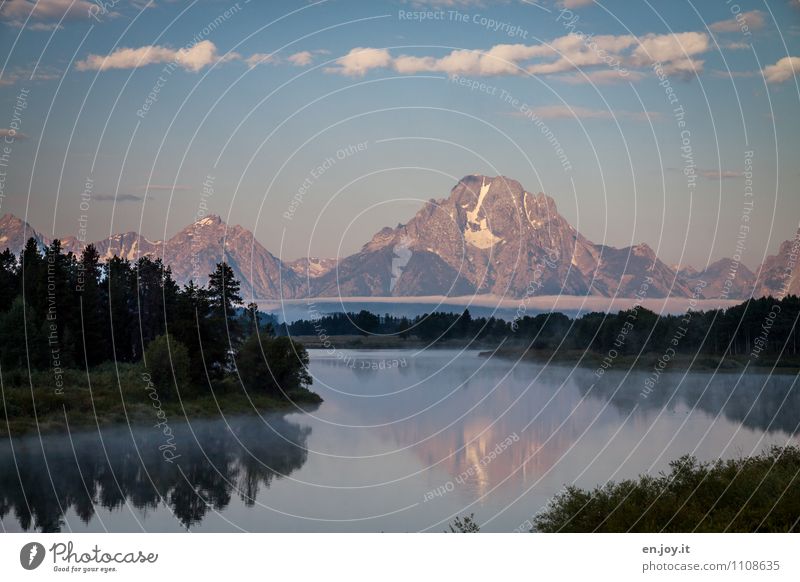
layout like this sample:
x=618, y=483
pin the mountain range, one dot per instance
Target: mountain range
x=489, y=236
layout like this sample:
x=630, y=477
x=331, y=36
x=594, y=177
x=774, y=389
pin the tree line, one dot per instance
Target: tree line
x=58, y=309
x=755, y=327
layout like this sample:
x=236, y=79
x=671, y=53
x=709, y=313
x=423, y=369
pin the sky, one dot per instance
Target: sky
x=315, y=124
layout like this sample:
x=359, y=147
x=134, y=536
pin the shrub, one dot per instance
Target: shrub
x=464, y=524
x=277, y=365
x=752, y=494
x=167, y=362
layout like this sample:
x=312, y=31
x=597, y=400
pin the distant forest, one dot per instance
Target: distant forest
x=62, y=310
x=755, y=327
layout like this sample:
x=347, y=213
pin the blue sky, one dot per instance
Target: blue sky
x=254, y=97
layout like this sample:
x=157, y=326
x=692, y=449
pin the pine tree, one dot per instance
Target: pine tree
x=120, y=325
x=9, y=279
x=91, y=312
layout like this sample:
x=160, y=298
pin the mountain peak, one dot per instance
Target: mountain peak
x=643, y=250
x=8, y=220
x=481, y=180
x=511, y=190
x=209, y=220
x=15, y=232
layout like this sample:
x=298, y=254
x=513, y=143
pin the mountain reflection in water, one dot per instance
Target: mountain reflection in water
x=492, y=436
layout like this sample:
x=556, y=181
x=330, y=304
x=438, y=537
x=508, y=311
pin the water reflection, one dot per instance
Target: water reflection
x=494, y=438
x=756, y=401
x=41, y=481
x=451, y=410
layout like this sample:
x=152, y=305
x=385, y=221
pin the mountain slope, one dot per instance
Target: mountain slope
x=194, y=252
x=15, y=232
x=489, y=236
x=724, y=279
x=780, y=274
x=492, y=236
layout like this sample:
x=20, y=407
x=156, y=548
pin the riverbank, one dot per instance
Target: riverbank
x=648, y=360
x=760, y=493
x=587, y=359
x=382, y=342
x=124, y=394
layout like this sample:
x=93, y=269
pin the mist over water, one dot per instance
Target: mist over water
x=403, y=442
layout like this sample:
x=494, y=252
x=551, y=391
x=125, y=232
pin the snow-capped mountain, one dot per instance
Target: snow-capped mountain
x=492, y=236
x=311, y=267
x=130, y=246
x=192, y=254
x=780, y=274
x=15, y=232
x=194, y=251
x=489, y=236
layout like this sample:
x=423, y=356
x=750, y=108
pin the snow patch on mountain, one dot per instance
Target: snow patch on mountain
x=476, y=231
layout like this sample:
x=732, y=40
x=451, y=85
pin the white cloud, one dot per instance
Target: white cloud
x=502, y=59
x=305, y=58
x=193, y=59
x=359, y=60
x=684, y=67
x=783, y=70
x=260, y=59
x=666, y=48
x=301, y=59
x=574, y=50
x=753, y=20
x=608, y=55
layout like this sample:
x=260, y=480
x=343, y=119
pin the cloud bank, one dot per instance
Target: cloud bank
x=676, y=52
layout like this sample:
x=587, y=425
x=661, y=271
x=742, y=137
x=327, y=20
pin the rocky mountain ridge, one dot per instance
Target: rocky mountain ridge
x=489, y=236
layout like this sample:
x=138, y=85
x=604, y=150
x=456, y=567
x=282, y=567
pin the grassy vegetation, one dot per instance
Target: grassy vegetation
x=117, y=394
x=752, y=494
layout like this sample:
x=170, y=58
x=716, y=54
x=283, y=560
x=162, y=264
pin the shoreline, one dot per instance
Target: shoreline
x=139, y=415
x=647, y=360
x=120, y=396
x=584, y=359
x=582, y=303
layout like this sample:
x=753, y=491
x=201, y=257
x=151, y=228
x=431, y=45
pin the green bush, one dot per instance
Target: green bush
x=752, y=494
x=167, y=362
x=277, y=365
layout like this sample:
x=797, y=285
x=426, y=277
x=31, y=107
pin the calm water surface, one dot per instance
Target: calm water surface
x=403, y=442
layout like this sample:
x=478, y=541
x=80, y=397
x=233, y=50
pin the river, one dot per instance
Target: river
x=404, y=441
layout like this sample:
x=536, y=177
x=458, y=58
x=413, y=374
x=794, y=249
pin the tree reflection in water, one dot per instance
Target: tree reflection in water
x=759, y=402
x=217, y=461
